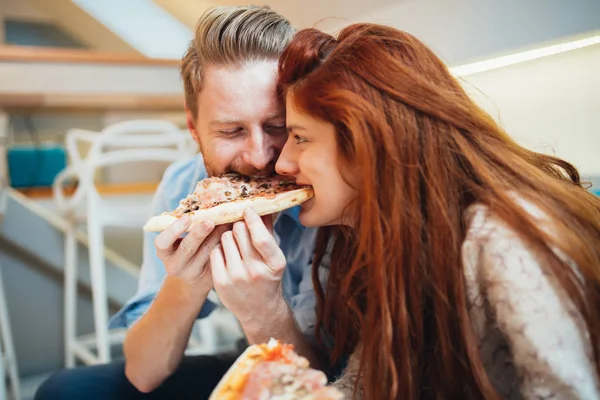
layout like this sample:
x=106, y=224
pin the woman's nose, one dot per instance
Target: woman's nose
x=286, y=163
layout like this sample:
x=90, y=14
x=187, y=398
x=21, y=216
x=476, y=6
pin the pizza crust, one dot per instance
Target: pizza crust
x=234, y=211
x=238, y=371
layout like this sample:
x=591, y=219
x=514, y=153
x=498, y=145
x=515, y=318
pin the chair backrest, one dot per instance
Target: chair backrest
x=120, y=143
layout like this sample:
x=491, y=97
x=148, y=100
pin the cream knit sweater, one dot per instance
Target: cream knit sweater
x=531, y=338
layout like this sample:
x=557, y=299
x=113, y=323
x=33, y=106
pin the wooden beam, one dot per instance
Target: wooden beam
x=64, y=55
x=12, y=102
x=106, y=189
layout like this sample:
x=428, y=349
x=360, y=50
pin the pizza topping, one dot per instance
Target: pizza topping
x=275, y=380
x=286, y=183
x=225, y=188
x=273, y=371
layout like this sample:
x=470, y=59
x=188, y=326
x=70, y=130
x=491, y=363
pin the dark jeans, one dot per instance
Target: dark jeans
x=195, y=379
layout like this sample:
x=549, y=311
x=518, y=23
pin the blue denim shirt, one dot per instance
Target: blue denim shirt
x=296, y=242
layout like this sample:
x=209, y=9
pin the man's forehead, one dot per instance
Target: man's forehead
x=236, y=77
x=238, y=94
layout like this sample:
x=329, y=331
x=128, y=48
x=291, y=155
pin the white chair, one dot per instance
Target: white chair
x=8, y=360
x=122, y=143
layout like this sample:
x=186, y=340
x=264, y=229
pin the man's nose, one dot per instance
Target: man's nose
x=260, y=152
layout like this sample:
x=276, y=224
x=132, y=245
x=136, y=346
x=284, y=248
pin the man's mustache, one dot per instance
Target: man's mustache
x=248, y=170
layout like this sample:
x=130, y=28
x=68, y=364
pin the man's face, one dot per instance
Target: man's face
x=240, y=125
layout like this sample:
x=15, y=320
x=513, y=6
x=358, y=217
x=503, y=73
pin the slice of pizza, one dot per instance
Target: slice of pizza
x=273, y=371
x=224, y=198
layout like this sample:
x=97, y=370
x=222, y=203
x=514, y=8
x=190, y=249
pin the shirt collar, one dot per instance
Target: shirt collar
x=290, y=213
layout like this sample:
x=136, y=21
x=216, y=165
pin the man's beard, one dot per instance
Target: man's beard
x=240, y=168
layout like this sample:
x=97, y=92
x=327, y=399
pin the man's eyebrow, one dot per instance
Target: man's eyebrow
x=224, y=121
x=233, y=121
x=275, y=115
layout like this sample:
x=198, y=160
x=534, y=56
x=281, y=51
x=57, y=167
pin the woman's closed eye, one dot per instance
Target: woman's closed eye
x=299, y=139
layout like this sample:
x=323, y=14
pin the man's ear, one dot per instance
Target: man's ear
x=191, y=124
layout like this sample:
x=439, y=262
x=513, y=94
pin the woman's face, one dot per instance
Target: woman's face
x=311, y=156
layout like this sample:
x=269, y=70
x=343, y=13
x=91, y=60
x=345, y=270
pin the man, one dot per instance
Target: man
x=233, y=112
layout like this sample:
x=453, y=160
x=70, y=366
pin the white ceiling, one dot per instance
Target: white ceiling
x=142, y=24
x=459, y=31
x=302, y=13
x=462, y=31
x=325, y=13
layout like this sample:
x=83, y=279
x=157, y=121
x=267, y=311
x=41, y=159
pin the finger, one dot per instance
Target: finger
x=251, y=258
x=264, y=242
x=203, y=255
x=217, y=267
x=235, y=266
x=244, y=242
x=268, y=221
x=165, y=241
x=193, y=240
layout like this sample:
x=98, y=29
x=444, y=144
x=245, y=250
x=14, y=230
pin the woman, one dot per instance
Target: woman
x=463, y=265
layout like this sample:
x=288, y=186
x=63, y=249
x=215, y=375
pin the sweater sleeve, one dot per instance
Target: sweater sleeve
x=545, y=333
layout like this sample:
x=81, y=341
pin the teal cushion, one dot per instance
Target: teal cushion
x=31, y=166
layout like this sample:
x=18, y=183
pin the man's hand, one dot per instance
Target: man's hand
x=247, y=268
x=155, y=344
x=187, y=258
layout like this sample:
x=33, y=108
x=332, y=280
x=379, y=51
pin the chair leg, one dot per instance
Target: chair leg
x=2, y=373
x=70, y=299
x=9, y=357
x=98, y=281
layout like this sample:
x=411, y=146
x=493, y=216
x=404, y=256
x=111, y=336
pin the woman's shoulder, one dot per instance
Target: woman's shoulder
x=488, y=234
x=493, y=252
x=484, y=225
x=513, y=296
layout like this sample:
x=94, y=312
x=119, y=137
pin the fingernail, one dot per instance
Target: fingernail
x=249, y=212
x=208, y=225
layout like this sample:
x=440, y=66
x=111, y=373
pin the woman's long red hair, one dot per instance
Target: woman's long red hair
x=427, y=152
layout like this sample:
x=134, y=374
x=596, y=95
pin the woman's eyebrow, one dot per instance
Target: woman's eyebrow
x=295, y=128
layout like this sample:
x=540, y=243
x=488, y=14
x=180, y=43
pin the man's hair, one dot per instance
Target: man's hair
x=232, y=36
